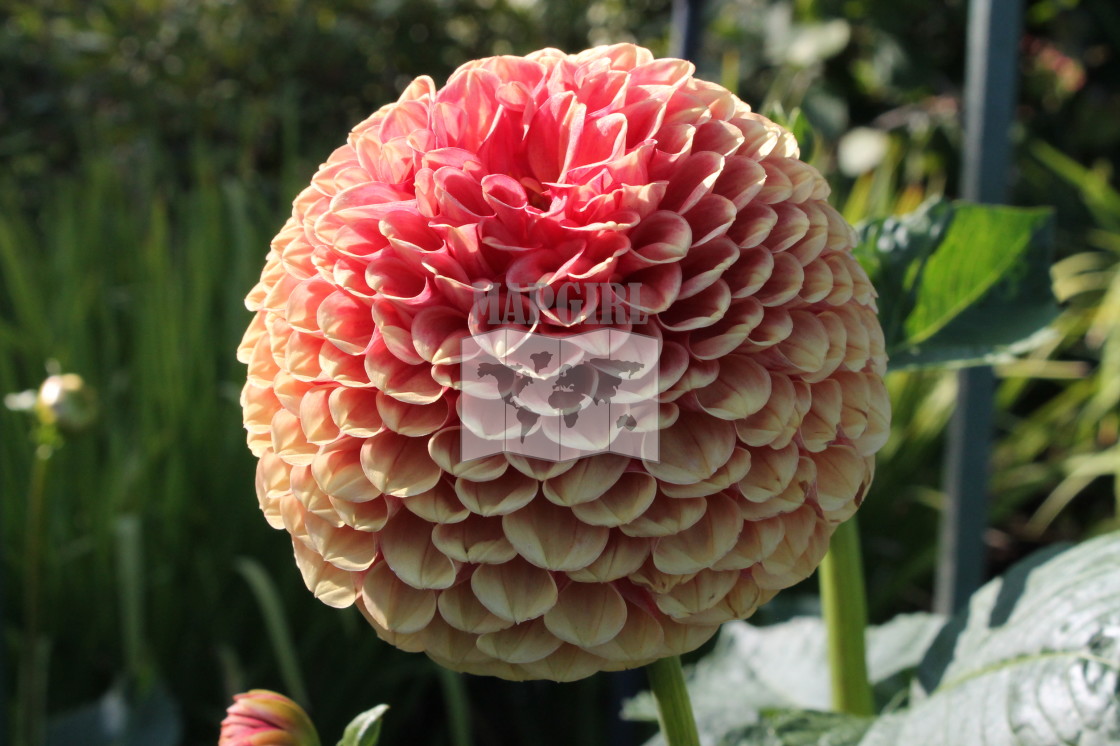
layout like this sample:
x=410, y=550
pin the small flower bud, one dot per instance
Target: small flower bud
x=263, y=718
x=66, y=401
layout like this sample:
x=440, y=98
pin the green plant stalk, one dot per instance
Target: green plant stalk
x=844, y=602
x=33, y=692
x=674, y=708
x=458, y=711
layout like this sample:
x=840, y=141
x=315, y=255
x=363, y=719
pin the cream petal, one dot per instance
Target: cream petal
x=622, y=556
x=626, y=499
x=303, y=356
x=338, y=470
x=640, y=639
x=692, y=449
x=461, y=609
x=684, y=638
x=730, y=473
x=306, y=490
x=355, y=411
x=777, y=421
x=703, y=309
x=332, y=586
x=407, y=546
x=703, y=543
x=821, y=423
x=818, y=282
x=412, y=420
x=345, y=321
x=344, y=547
x=741, y=180
x=706, y=264
x=791, y=227
x=666, y=516
x=398, y=465
x=727, y=334
x=509, y=492
x=784, y=282
x=587, y=480
x=516, y=590
x=699, y=593
x=791, y=497
x=437, y=505
x=536, y=468
x=444, y=448
x=394, y=604
x=521, y=643
x=290, y=391
x=288, y=441
x=364, y=516
x=587, y=614
x=741, y=389
x=259, y=405
x=771, y=471
x=475, y=540
x=454, y=648
x=315, y=416
x=807, y=345
x=841, y=473
x=776, y=325
x=757, y=541
x=551, y=537
x=568, y=663
x=740, y=602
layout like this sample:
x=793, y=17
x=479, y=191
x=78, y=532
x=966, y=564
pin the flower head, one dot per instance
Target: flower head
x=643, y=188
x=263, y=718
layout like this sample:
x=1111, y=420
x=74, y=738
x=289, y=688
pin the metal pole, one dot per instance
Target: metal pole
x=684, y=39
x=989, y=107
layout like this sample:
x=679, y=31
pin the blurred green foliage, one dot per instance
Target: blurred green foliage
x=150, y=149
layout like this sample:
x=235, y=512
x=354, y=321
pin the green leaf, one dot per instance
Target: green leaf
x=960, y=284
x=365, y=729
x=784, y=666
x=1033, y=661
x=800, y=728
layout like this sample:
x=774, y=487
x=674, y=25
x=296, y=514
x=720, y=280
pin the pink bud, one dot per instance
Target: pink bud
x=263, y=718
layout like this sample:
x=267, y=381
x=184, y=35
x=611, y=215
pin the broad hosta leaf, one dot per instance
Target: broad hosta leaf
x=1033, y=661
x=960, y=284
x=784, y=666
x=800, y=728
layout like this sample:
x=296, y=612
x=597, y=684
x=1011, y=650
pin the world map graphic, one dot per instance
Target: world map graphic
x=559, y=398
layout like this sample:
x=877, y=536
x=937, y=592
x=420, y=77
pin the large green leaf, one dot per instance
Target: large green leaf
x=800, y=728
x=1033, y=661
x=784, y=667
x=960, y=284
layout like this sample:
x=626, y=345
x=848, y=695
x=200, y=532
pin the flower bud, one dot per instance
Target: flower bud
x=263, y=718
x=65, y=401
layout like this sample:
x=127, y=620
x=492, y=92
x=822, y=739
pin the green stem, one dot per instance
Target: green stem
x=674, y=708
x=455, y=698
x=844, y=602
x=32, y=690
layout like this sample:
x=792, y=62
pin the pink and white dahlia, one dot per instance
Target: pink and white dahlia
x=643, y=187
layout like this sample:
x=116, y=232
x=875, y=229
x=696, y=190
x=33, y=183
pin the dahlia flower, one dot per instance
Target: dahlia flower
x=263, y=718
x=645, y=188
